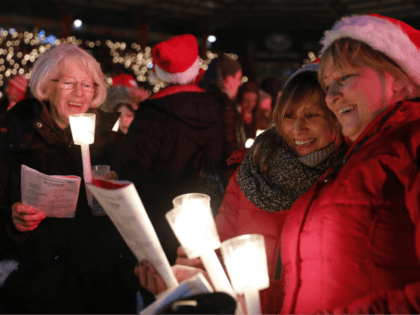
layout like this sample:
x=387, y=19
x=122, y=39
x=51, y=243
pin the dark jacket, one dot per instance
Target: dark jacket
x=168, y=132
x=233, y=129
x=77, y=265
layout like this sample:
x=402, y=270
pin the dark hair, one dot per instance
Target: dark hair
x=247, y=87
x=300, y=88
x=128, y=105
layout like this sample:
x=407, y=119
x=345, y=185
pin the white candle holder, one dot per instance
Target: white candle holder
x=246, y=262
x=193, y=224
x=83, y=131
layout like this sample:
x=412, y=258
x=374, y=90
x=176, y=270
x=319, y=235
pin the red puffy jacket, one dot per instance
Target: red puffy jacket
x=349, y=244
x=238, y=216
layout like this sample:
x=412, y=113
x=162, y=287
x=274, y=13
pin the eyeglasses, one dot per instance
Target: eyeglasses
x=70, y=84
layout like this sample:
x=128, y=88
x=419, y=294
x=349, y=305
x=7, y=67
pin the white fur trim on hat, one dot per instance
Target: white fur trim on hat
x=312, y=67
x=180, y=77
x=382, y=35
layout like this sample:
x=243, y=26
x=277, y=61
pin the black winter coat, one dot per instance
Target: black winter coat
x=77, y=265
x=168, y=132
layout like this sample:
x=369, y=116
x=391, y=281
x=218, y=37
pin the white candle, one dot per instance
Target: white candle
x=83, y=131
x=193, y=224
x=83, y=128
x=246, y=262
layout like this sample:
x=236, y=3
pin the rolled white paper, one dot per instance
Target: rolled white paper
x=123, y=205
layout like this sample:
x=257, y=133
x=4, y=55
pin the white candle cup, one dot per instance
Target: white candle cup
x=83, y=131
x=193, y=224
x=246, y=263
x=83, y=128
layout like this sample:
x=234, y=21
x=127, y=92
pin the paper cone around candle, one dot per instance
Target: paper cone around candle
x=193, y=224
x=246, y=262
x=83, y=128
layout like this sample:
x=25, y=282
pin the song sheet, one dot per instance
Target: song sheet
x=54, y=195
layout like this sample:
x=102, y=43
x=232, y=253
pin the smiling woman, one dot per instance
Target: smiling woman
x=70, y=79
x=352, y=242
x=281, y=165
x=66, y=265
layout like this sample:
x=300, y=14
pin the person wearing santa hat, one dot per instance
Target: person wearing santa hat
x=137, y=92
x=172, y=127
x=15, y=92
x=351, y=244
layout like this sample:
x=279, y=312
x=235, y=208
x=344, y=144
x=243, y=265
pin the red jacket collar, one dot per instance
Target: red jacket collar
x=174, y=89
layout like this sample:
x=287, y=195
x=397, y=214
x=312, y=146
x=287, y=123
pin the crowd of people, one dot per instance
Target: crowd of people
x=331, y=180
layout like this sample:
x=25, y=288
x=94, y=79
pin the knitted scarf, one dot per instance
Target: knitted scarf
x=287, y=177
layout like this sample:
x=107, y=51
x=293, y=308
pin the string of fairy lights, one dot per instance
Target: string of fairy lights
x=20, y=50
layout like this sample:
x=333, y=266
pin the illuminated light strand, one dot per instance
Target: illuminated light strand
x=16, y=47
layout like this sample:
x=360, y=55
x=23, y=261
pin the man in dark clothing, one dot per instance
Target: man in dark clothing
x=172, y=127
x=222, y=80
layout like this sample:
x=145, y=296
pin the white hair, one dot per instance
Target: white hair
x=49, y=65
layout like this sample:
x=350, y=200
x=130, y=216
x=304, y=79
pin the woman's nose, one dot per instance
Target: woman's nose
x=78, y=89
x=300, y=124
x=332, y=95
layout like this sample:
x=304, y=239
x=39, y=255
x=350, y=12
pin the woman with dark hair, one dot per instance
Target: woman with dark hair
x=283, y=163
x=248, y=99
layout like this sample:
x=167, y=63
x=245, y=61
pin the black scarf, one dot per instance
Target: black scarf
x=286, y=178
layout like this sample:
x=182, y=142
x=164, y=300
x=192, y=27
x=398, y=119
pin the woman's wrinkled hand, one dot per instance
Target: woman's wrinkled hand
x=182, y=259
x=26, y=218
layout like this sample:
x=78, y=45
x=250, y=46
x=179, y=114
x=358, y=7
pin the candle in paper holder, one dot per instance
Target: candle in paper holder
x=246, y=263
x=83, y=128
x=193, y=224
x=83, y=131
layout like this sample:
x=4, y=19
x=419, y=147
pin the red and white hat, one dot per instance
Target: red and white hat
x=19, y=82
x=397, y=40
x=124, y=79
x=176, y=59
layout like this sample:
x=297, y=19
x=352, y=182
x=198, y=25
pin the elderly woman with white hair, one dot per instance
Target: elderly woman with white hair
x=66, y=265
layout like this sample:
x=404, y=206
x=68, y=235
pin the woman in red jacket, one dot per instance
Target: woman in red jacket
x=283, y=163
x=351, y=244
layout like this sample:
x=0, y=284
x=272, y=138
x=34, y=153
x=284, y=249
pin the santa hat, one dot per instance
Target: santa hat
x=397, y=40
x=176, y=59
x=20, y=83
x=124, y=79
x=312, y=67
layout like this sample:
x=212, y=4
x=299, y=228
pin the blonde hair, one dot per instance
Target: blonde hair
x=47, y=68
x=347, y=52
